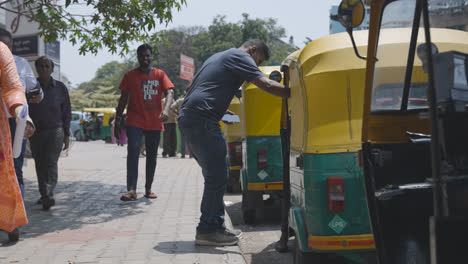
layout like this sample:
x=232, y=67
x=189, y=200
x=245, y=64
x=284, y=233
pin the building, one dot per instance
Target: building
x=26, y=40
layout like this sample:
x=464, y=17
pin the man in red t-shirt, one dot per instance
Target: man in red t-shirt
x=143, y=88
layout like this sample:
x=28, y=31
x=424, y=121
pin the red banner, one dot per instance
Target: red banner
x=187, y=67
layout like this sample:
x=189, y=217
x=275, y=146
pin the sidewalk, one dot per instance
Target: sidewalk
x=89, y=224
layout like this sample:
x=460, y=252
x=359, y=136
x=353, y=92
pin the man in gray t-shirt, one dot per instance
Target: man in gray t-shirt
x=204, y=105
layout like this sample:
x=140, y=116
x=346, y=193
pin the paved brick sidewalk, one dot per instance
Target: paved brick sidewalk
x=89, y=224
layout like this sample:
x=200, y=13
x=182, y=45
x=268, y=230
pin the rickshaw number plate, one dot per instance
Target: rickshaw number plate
x=337, y=224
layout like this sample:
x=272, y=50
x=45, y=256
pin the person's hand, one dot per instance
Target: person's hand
x=66, y=142
x=163, y=116
x=36, y=99
x=117, y=129
x=29, y=130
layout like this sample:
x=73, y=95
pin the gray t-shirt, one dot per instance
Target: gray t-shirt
x=216, y=83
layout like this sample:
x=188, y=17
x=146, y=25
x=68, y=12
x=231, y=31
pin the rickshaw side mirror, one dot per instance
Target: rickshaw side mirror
x=351, y=13
x=276, y=76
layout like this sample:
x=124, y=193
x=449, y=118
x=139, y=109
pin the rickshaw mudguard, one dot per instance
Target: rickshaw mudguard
x=296, y=222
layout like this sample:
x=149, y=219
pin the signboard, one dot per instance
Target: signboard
x=52, y=50
x=26, y=46
x=187, y=67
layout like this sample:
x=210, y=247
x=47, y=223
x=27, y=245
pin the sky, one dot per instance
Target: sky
x=300, y=18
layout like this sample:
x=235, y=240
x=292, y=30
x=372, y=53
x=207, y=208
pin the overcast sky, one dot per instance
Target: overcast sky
x=300, y=18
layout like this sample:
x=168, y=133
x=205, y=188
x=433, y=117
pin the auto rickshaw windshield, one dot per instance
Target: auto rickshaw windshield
x=392, y=69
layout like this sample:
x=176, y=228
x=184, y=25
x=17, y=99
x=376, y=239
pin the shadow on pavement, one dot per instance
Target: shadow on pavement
x=189, y=247
x=78, y=204
x=270, y=256
x=271, y=218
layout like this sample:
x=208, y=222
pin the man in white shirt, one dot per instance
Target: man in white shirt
x=33, y=93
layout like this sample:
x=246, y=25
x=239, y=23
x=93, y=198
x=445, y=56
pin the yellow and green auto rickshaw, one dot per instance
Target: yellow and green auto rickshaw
x=96, y=125
x=233, y=136
x=415, y=127
x=262, y=172
x=328, y=212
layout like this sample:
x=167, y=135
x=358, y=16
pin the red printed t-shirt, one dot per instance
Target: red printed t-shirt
x=146, y=91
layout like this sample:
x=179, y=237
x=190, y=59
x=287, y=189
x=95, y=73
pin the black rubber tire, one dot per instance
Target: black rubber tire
x=247, y=214
x=304, y=257
x=14, y=235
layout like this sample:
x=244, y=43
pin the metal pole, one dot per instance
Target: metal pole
x=433, y=112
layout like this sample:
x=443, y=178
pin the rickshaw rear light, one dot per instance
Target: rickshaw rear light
x=262, y=161
x=336, y=194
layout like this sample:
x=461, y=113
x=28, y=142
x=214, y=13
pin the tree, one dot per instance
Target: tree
x=222, y=35
x=102, y=90
x=110, y=24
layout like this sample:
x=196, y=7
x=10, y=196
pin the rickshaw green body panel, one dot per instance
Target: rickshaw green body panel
x=270, y=178
x=309, y=214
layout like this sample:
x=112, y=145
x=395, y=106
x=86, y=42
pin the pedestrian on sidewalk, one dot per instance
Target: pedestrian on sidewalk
x=206, y=102
x=175, y=107
x=143, y=88
x=12, y=211
x=170, y=134
x=34, y=95
x=52, y=120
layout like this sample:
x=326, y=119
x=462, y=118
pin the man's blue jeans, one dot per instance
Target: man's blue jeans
x=135, y=135
x=207, y=145
x=20, y=160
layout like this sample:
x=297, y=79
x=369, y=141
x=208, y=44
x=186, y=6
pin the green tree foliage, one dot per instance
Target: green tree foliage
x=222, y=35
x=96, y=24
x=102, y=90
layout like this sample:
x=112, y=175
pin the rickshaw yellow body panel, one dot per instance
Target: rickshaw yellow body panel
x=262, y=111
x=327, y=87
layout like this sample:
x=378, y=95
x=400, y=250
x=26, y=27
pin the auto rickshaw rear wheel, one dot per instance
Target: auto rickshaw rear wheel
x=301, y=257
x=248, y=214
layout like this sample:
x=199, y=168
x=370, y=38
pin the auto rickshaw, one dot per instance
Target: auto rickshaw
x=233, y=136
x=328, y=213
x=415, y=130
x=97, y=125
x=261, y=145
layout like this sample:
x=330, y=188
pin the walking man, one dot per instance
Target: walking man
x=52, y=120
x=143, y=88
x=33, y=93
x=206, y=102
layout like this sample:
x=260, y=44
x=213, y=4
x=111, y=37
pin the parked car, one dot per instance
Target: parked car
x=77, y=116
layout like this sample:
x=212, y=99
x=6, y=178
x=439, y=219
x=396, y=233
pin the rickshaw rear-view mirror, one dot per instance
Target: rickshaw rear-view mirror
x=351, y=13
x=276, y=76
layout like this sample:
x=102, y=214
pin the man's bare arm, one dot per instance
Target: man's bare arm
x=272, y=87
x=123, y=100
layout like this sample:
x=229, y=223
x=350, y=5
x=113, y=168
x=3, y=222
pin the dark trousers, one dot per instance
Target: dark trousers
x=207, y=145
x=170, y=139
x=18, y=162
x=152, y=138
x=46, y=146
x=182, y=144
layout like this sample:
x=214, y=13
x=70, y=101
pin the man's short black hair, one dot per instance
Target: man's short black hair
x=144, y=47
x=260, y=45
x=36, y=63
x=5, y=33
